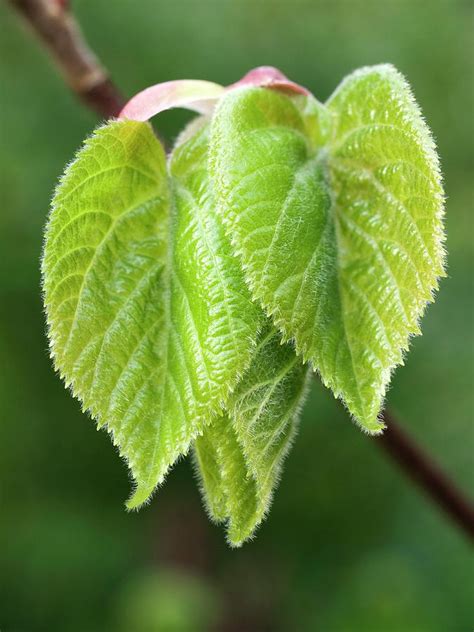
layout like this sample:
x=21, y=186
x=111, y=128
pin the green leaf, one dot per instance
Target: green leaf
x=336, y=214
x=240, y=455
x=150, y=322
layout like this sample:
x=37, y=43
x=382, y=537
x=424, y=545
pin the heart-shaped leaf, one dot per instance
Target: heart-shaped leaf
x=150, y=321
x=336, y=214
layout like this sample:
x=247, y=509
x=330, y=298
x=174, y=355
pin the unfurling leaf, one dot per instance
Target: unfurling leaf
x=150, y=322
x=335, y=212
x=240, y=455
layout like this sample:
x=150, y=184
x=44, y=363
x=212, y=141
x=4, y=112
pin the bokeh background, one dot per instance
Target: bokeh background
x=350, y=544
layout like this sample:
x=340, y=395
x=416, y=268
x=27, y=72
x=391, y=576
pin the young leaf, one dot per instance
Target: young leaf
x=336, y=214
x=150, y=322
x=240, y=454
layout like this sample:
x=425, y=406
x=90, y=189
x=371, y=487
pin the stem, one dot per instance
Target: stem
x=427, y=474
x=57, y=29
x=61, y=35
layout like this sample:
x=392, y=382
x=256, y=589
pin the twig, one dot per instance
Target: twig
x=58, y=30
x=426, y=474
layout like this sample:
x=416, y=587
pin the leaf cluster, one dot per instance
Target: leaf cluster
x=189, y=296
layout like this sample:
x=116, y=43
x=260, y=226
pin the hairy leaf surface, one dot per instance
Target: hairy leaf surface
x=149, y=319
x=240, y=454
x=336, y=214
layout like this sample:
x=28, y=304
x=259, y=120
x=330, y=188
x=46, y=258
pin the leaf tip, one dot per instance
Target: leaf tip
x=373, y=428
x=141, y=496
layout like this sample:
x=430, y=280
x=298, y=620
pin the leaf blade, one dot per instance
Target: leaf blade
x=297, y=211
x=127, y=339
x=240, y=455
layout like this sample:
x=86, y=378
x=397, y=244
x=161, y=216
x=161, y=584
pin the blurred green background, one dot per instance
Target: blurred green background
x=350, y=544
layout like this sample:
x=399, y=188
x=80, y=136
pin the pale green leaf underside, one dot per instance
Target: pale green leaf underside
x=240, y=455
x=336, y=214
x=150, y=322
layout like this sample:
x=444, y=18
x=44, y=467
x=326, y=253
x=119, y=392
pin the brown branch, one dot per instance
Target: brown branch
x=427, y=474
x=59, y=32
